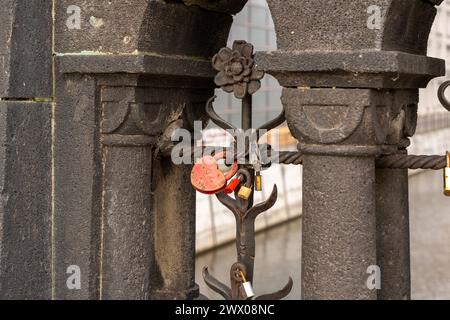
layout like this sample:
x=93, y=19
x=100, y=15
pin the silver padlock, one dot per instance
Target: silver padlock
x=246, y=288
x=255, y=158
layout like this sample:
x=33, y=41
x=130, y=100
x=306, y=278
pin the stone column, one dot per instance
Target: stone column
x=132, y=118
x=124, y=214
x=393, y=234
x=175, y=222
x=351, y=80
x=25, y=149
x=338, y=227
x=339, y=238
x=392, y=204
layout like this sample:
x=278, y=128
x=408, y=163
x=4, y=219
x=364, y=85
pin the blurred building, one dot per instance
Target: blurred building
x=433, y=132
x=254, y=24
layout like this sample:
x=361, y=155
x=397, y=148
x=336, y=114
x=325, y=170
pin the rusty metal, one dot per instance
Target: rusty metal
x=245, y=244
x=237, y=74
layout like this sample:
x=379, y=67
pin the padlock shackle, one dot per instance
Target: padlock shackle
x=247, y=177
x=230, y=174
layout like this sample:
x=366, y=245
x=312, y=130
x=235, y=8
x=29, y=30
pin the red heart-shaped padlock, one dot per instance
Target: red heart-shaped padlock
x=206, y=176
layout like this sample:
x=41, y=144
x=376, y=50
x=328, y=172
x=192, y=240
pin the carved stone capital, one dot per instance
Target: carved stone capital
x=350, y=121
x=134, y=115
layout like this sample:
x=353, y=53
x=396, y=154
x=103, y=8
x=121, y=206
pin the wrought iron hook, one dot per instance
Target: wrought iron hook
x=216, y=285
x=216, y=119
x=441, y=95
x=283, y=293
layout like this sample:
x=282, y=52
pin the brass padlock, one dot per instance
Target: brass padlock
x=258, y=181
x=258, y=177
x=246, y=190
x=246, y=288
x=447, y=176
x=256, y=161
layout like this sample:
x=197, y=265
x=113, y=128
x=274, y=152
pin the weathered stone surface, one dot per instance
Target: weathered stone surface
x=330, y=44
x=162, y=66
x=116, y=93
x=342, y=25
x=137, y=241
x=393, y=250
x=340, y=131
x=26, y=49
x=25, y=210
x=175, y=232
x=132, y=119
x=128, y=239
x=141, y=25
x=78, y=185
x=106, y=133
x=367, y=69
x=350, y=121
x=339, y=240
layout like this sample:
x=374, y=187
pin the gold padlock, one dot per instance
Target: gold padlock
x=245, y=192
x=258, y=177
x=447, y=176
x=258, y=181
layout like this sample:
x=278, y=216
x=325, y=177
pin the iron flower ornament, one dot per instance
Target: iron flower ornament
x=237, y=74
x=237, y=71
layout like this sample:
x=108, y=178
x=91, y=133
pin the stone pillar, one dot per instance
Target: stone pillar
x=351, y=81
x=25, y=149
x=392, y=204
x=132, y=118
x=336, y=183
x=339, y=238
x=393, y=234
x=124, y=214
x=175, y=222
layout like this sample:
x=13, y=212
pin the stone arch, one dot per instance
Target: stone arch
x=342, y=25
x=174, y=28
